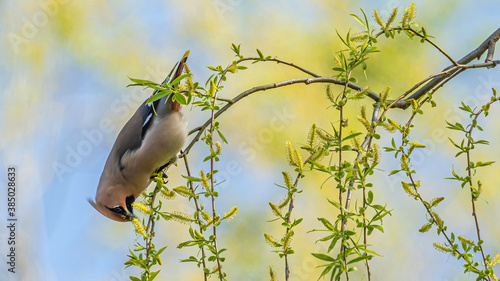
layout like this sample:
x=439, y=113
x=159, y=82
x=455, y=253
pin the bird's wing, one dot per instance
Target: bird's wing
x=130, y=137
x=148, y=110
x=135, y=129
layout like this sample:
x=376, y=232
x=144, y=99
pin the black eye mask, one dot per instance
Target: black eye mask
x=128, y=201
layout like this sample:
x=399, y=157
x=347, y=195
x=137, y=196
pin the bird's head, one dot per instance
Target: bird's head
x=115, y=205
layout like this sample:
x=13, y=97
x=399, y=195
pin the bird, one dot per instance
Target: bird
x=147, y=143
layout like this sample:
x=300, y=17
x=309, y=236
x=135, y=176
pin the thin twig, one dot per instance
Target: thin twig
x=221, y=99
x=255, y=59
x=290, y=208
x=150, y=231
x=283, y=83
x=469, y=172
x=198, y=219
x=339, y=183
x=414, y=184
x=212, y=185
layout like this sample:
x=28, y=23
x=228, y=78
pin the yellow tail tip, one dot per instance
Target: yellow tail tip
x=185, y=56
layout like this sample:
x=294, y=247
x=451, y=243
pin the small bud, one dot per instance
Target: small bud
x=275, y=209
x=329, y=93
x=233, y=68
x=183, y=191
x=261, y=56
x=204, y=180
x=414, y=103
x=365, y=123
x=285, y=201
x=287, y=179
x=206, y=215
x=142, y=207
x=272, y=274
x=495, y=260
x=466, y=240
x=358, y=37
x=337, y=62
x=378, y=19
x=300, y=164
x=218, y=148
x=167, y=193
x=312, y=137
x=389, y=127
x=392, y=17
x=408, y=189
x=324, y=135
x=363, y=111
x=385, y=94
x=290, y=155
x=318, y=154
x=287, y=239
x=442, y=248
x=376, y=153
x=416, y=144
x=138, y=226
x=271, y=241
x=180, y=217
x=409, y=14
x=404, y=162
x=231, y=213
x=362, y=92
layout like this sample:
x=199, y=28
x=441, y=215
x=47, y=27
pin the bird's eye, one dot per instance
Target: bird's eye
x=118, y=209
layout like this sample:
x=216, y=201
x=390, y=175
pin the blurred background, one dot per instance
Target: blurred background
x=64, y=68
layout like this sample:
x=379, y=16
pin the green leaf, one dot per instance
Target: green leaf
x=153, y=275
x=359, y=20
x=323, y=257
x=296, y=222
x=180, y=98
x=378, y=227
x=370, y=252
x=212, y=68
x=360, y=258
x=351, y=136
x=191, y=178
x=326, y=223
x=159, y=95
x=482, y=164
x=457, y=126
x=260, y=54
x=222, y=137
x=178, y=79
x=326, y=270
x=369, y=200
x=142, y=82
x=394, y=172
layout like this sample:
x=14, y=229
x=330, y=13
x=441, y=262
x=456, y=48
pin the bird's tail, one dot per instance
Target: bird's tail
x=180, y=67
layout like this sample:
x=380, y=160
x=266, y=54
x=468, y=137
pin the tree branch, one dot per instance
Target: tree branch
x=487, y=45
x=283, y=83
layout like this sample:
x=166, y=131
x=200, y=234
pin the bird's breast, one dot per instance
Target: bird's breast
x=164, y=139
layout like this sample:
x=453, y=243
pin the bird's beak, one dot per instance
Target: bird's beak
x=130, y=216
